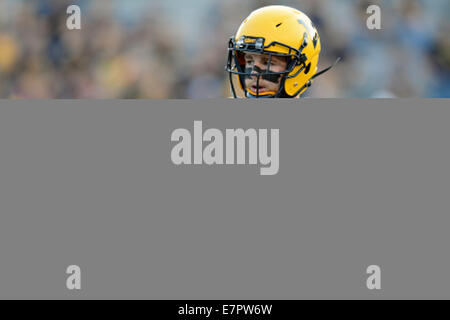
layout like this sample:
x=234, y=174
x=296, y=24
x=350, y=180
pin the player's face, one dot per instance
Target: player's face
x=258, y=63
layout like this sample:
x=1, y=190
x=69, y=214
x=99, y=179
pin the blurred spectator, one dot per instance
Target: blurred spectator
x=177, y=49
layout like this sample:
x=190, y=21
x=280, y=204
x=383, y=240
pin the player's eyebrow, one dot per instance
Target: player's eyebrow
x=273, y=60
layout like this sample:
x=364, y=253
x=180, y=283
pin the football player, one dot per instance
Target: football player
x=274, y=54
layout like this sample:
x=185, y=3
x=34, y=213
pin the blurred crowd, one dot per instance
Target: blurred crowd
x=177, y=49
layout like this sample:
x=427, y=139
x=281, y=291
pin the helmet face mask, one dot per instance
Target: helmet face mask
x=236, y=65
x=274, y=31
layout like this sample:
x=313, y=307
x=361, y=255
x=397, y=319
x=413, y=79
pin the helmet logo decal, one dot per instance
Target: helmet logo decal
x=309, y=28
x=316, y=37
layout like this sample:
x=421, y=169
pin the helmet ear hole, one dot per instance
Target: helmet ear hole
x=308, y=67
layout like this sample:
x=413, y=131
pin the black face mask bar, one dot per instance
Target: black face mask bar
x=269, y=76
x=256, y=45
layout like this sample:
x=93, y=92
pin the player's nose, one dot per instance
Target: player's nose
x=257, y=69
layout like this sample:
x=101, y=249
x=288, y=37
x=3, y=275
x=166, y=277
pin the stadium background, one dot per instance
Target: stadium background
x=177, y=49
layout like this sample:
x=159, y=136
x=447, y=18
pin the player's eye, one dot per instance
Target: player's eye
x=272, y=63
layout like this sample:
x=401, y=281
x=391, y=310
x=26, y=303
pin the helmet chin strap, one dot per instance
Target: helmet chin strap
x=326, y=69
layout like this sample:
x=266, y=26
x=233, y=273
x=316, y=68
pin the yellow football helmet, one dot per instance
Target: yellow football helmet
x=276, y=31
